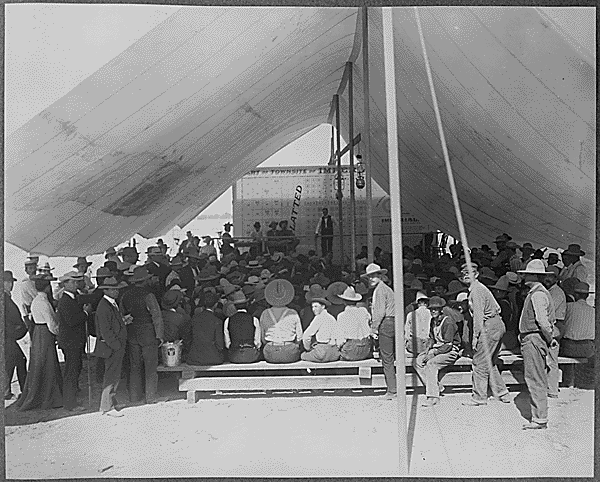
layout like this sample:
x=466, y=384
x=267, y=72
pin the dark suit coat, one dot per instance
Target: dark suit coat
x=207, y=339
x=188, y=282
x=71, y=329
x=110, y=326
x=14, y=327
x=162, y=271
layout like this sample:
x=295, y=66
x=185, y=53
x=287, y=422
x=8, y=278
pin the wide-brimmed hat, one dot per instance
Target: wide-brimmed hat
x=253, y=264
x=238, y=298
x=140, y=273
x=350, y=294
x=248, y=289
x=416, y=285
x=71, y=275
x=177, y=261
x=228, y=287
x=110, y=252
x=252, y=280
x=582, y=287
x=436, y=302
x=501, y=284
x=265, y=274
x=568, y=285
x=8, y=276
x=82, y=260
x=408, y=278
x=512, y=245
x=111, y=283
x=513, y=278
x=373, y=269
x=488, y=274
x=317, y=293
x=128, y=272
x=279, y=293
x=455, y=287
x=535, y=266
x=320, y=279
x=129, y=250
x=236, y=277
x=334, y=290
x=208, y=273
x=527, y=246
x=171, y=299
x=574, y=250
x=154, y=251
x=44, y=273
x=31, y=261
x=462, y=297
x=503, y=238
x=421, y=296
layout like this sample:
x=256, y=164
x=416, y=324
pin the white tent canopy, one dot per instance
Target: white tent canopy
x=154, y=136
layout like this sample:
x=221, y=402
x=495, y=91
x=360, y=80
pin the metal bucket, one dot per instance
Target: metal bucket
x=171, y=353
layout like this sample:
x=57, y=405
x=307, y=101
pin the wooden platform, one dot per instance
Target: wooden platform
x=303, y=375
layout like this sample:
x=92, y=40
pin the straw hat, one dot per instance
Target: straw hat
x=82, y=260
x=334, y=290
x=535, y=266
x=462, y=297
x=513, y=278
x=112, y=284
x=421, y=296
x=373, y=269
x=238, y=298
x=279, y=293
x=350, y=294
x=252, y=280
x=253, y=264
x=228, y=288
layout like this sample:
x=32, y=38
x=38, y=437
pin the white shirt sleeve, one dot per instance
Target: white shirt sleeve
x=226, y=333
x=256, y=332
x=318, y=230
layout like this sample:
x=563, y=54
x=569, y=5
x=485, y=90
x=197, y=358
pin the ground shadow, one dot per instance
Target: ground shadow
x=523, y=404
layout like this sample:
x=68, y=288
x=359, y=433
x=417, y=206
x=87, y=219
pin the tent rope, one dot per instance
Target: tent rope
x=459, y=219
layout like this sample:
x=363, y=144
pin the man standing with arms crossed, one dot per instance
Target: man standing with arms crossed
x=535, y=327
x=325, y=229
x=383, y=325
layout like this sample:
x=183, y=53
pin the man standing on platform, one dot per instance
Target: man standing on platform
x=383, y=314
x=535, y=327
x=325, y=229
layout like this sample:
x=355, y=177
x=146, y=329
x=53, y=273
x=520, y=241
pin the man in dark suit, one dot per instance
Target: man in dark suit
x=111, y=330
x=208, y=344
x=156, y=267
x=71, y=338
x=14, y=329
x=143, y=335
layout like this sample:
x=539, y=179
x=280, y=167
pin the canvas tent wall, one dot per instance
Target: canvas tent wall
x=153, y=137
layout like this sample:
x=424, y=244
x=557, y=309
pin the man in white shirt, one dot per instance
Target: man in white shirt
x=354, y=328
x=323, y=328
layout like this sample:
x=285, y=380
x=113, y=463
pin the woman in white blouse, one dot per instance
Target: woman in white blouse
x=43, y=386
x=354, y=328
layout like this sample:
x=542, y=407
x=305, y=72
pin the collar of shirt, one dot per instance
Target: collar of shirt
x=69, y=293
x=112, y=301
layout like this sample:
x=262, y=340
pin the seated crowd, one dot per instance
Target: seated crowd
x=280, y=306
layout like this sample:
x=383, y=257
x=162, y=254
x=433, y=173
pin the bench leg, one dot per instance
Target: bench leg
x=191, y=396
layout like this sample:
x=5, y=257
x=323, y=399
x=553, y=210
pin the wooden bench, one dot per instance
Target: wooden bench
x=303, y=375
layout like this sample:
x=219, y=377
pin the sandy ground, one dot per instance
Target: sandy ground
x=341, y=433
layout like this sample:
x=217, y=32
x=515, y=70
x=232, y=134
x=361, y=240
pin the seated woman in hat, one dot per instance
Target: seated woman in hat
x=325, y=330
x=354, y=325
x=43, y=385
x=280, y=325
x=242, y=332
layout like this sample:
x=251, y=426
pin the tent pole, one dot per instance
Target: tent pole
x=352, y=189
x=339, y=176
x=367, y=133
x=396, y=210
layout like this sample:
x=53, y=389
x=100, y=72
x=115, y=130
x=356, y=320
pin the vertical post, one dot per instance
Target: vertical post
x=396, y=209
x=366, y=135
x=339, y=173
x=352, y=189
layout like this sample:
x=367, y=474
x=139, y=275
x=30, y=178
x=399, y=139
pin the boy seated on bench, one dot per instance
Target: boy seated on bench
x=324, y=328
x=441, y=351
x=242, y=333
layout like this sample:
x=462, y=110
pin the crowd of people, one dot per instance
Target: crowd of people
x=285, y=306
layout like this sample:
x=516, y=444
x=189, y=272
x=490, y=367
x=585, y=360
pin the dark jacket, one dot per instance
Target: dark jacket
x=14, y=327
x=188, y=283
x=177, y=327
x=110, y=326
x=72, y=320
x=207, y=340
